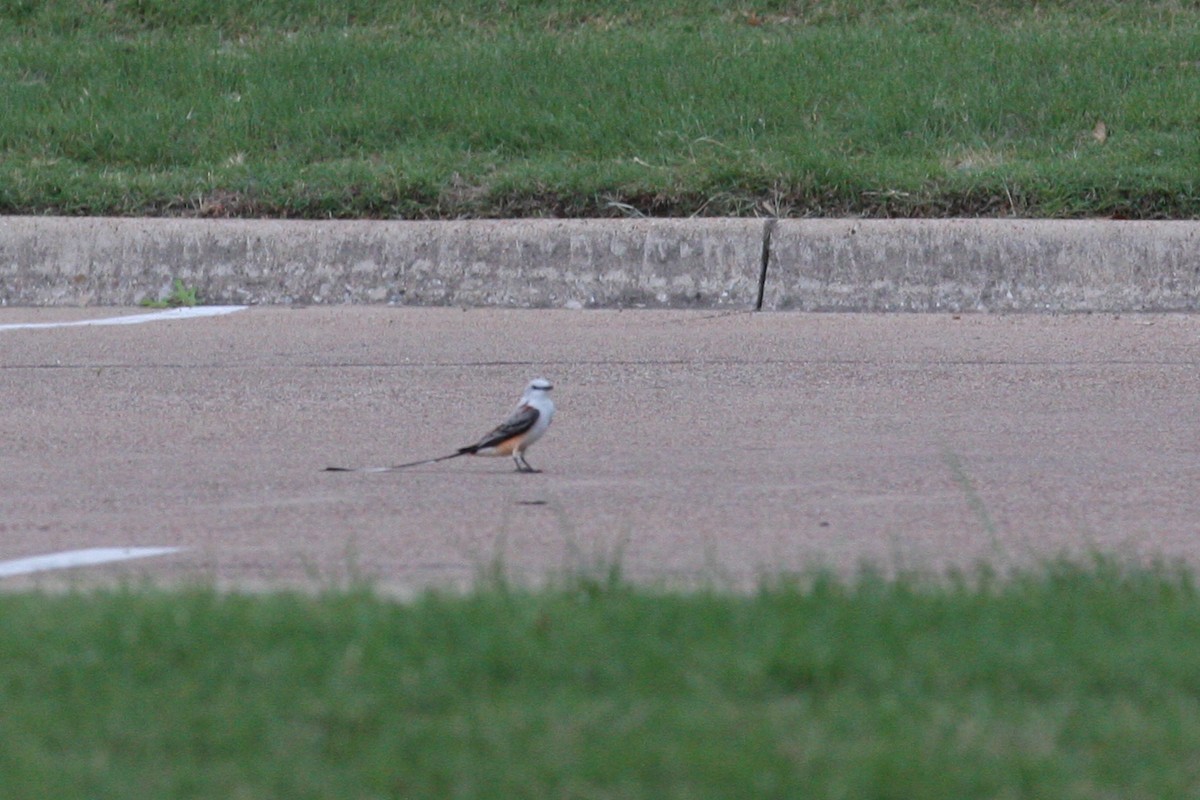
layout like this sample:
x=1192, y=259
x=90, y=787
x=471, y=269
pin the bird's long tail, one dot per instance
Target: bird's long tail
x=394, y=467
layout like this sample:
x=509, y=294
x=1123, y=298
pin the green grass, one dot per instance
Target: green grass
x=1064, y=682
x=180, y=296
x=399, y=109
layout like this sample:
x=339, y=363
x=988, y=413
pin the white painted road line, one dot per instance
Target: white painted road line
x=157, y=316
x=79, y=558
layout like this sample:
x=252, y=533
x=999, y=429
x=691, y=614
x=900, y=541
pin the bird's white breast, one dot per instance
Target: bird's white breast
x=545, y=407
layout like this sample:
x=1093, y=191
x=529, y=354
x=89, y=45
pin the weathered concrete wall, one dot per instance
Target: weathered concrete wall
x=987, y=264
x=557, y=263
x=827, y=265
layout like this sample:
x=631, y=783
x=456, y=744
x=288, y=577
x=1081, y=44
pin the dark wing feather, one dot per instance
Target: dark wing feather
x=521, y=420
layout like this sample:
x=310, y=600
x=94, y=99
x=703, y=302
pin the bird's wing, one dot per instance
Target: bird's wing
x=520, y=421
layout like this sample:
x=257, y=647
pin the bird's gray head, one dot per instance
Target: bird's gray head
x=539, y=385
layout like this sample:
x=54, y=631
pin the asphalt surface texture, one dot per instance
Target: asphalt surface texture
x=689, y=448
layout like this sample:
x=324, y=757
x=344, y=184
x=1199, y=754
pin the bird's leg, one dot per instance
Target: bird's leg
x=522, y=464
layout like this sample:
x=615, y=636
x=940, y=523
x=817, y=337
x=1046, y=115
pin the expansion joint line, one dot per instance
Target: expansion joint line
x=766, y=261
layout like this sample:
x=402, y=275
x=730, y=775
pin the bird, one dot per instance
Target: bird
x=525, y=425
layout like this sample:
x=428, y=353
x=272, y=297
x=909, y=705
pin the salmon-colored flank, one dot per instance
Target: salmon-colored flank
x=508, y=446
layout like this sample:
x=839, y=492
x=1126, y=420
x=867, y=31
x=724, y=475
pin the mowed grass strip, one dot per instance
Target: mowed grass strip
x=1064, y=682
x=401, y=110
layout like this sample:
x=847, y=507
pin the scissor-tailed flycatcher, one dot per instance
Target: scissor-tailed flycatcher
x=524, y=426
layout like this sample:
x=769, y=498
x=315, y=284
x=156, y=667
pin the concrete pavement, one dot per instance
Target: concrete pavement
x=693, y=446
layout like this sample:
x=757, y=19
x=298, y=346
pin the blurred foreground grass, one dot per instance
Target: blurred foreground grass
x=1067, y=681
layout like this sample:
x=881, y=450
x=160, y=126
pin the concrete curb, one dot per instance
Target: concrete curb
x=826, y=265
x=984, y=264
